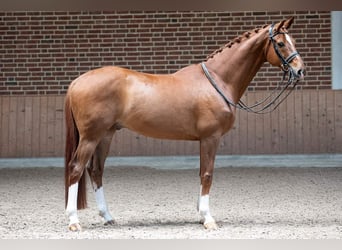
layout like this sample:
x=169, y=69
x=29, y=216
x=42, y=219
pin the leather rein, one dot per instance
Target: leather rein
x=273, y=97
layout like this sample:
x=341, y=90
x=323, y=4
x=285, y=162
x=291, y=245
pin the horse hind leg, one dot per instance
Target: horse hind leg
x=95, y=170
x=77, y=166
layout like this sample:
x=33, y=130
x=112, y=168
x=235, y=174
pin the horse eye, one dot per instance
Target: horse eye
x=281, y=44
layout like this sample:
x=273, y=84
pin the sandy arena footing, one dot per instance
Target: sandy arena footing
x=247, y=202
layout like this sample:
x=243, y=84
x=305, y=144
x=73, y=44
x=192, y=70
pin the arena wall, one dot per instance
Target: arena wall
x=42, y=52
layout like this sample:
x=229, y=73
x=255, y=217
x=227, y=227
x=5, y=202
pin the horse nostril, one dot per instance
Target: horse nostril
x=300, y=73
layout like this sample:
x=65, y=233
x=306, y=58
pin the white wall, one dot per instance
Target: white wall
x=336, y=50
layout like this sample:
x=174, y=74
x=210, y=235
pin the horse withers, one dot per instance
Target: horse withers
x=198, y=102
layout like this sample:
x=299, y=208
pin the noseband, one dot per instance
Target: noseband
x=273, y=97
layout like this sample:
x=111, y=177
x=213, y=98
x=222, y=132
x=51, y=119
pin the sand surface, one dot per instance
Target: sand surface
x=276, y=203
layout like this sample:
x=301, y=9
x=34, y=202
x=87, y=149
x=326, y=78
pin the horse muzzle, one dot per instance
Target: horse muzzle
x=298, y=74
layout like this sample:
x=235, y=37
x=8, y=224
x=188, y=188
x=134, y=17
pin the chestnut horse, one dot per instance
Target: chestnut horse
x=197, y=102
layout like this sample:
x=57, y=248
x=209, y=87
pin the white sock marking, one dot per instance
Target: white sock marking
x=71, y=209
x=102, y=205
x=203, y=208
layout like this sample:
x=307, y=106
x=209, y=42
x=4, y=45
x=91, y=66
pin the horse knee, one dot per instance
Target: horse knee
x=207, y=178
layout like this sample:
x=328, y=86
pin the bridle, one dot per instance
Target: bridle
x=285, y=65
x=287, y=69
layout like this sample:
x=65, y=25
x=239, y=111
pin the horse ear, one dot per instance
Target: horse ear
x=288, y=23
x=279, y=25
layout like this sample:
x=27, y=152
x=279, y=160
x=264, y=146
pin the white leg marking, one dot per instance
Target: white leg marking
x=102, y=205
x=203, y=208
x=71, y=209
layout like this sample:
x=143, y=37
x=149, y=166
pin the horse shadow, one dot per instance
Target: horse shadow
x=140, y=224
x=223, y=223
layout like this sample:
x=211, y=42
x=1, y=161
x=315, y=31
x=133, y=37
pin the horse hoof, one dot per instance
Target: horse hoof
x=210, y=225
x=75, y=227
x=109, y=223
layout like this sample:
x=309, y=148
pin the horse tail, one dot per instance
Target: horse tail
x=71, y=144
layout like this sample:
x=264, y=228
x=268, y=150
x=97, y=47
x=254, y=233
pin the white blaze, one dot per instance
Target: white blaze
x=289, y=40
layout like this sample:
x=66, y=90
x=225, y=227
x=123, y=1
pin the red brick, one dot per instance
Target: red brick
x=38, y=47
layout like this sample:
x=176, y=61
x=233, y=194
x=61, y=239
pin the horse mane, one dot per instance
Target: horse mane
x=237, y=39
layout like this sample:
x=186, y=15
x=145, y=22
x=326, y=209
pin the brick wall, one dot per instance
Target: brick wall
x=42, y=52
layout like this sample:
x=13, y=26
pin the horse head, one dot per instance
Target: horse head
x=281, y=51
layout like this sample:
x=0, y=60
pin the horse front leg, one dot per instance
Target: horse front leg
x=208, y=148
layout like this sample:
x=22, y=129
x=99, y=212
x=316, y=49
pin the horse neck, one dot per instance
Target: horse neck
x=236, y=66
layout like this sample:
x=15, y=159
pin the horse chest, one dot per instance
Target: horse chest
x=218, y=121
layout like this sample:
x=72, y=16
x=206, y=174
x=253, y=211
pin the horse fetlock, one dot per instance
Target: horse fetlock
x=74, y=224
x=72, y=214
x=105, y=215
x=208, y=221
x=203, y=209
x=102, y=204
